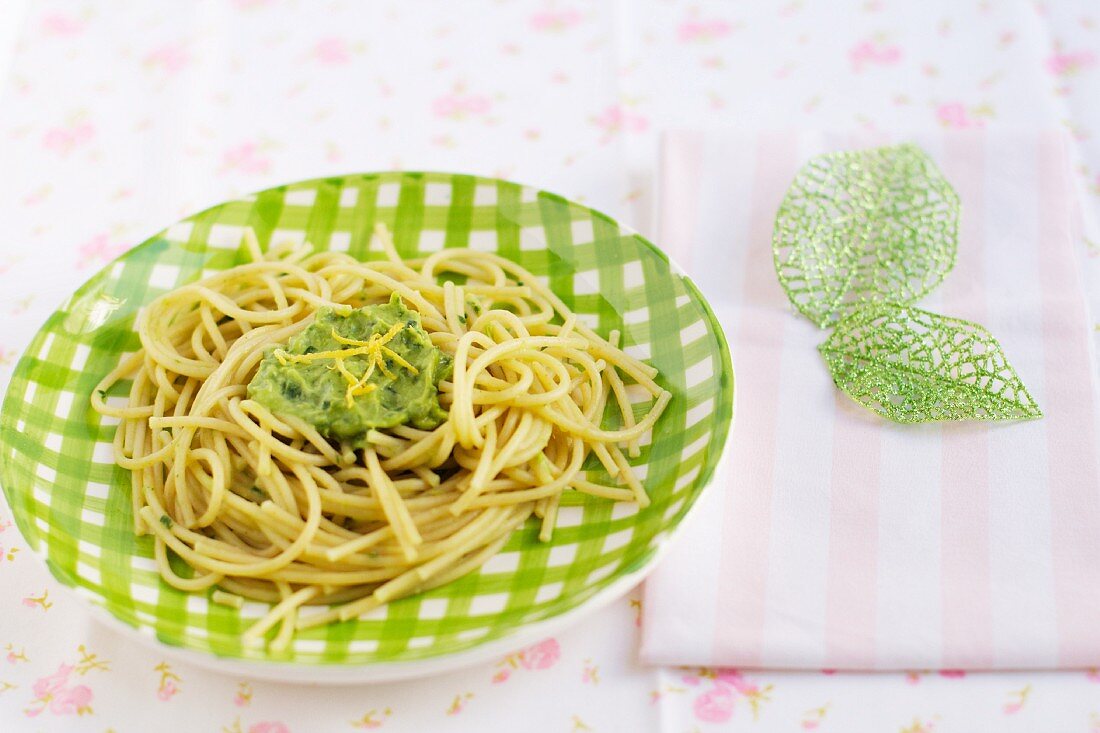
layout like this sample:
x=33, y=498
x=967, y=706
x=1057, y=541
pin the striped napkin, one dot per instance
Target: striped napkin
x=834, y=539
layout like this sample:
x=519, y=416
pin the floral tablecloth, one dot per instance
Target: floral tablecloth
x=119, y=117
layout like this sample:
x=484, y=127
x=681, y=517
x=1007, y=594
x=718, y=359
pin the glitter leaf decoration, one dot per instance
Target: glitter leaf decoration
x=865, y=226
x=912, y=366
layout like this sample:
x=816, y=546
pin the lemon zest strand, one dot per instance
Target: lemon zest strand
x=374, y=349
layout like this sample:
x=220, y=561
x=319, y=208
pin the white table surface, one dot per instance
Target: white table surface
x=119, y=117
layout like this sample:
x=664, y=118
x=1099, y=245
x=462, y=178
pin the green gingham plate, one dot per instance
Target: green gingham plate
x=72, y=503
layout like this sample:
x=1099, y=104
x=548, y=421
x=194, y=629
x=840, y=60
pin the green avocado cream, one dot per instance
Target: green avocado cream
x=346, y=374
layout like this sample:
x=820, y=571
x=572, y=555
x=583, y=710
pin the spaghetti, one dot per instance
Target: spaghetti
x=263, y=506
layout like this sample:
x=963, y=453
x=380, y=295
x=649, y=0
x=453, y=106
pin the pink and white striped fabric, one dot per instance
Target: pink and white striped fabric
x=834, y=539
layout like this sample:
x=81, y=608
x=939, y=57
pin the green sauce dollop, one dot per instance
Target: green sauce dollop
x=317, y=391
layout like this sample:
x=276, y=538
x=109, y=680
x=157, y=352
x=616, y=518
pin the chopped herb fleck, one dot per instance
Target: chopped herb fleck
x=166, y=521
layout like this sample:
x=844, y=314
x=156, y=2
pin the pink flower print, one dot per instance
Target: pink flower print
x=38, y=195
x=1016, y=700
x=696, y=31
x=170, y=58
x=812, y=719
x=715, y=706
x=953, y=674
x=616, y=119
x=42, y=601
x=1068, y=64
x=53, y=693
x=541, y=656
x=98, y=249
x=247, y=158
x=59, y=24
x=63, y=139
x=244, y=695
x=167, y=690
x=591, y=673
x=867, y=53
x=459, y=703
x=784, y=71
x=1079, y=133
x=459, y=106
x=331, y=50
x=370, y=722
x=52, y=684
x=21, y=306
x=333, y=154
x=728, y=683
x=555, y=20
x=955, y=115
x=269, y=727
x=72, y=700
x=1093, y=674
x=736, y=680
